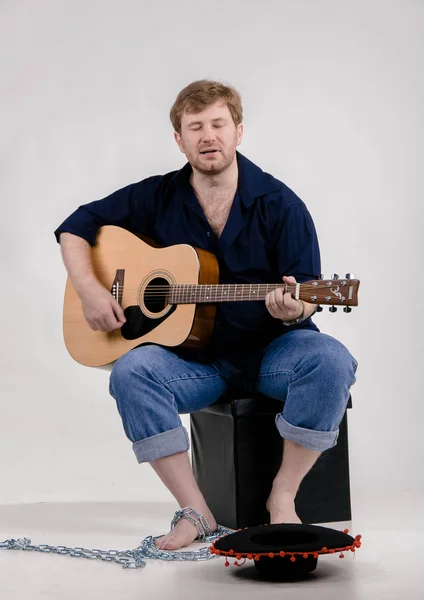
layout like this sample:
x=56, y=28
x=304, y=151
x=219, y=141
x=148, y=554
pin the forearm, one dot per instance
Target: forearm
x=76, y=254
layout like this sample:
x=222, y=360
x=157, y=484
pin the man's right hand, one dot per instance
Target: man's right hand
x=101, y=310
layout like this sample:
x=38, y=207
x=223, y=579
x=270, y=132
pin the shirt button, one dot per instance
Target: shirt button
x=208, y=233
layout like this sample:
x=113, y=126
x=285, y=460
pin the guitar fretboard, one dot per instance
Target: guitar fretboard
x=195, y=293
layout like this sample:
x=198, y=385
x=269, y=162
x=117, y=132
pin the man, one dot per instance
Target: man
x=261, y=232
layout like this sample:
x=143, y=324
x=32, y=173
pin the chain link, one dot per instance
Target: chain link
x=129, y=559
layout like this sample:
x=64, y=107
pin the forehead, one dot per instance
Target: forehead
x=218, y=110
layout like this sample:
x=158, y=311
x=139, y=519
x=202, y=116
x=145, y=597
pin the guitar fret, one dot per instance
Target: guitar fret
x=204, y=293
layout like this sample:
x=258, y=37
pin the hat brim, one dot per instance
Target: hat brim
x=284, y=550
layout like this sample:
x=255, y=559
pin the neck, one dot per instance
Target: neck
x=216, y=183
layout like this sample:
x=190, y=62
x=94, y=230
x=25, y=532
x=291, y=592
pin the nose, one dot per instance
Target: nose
x=208, y=134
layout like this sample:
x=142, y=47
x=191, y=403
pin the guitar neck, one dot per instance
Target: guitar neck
x=198, y=294
x=331, y=292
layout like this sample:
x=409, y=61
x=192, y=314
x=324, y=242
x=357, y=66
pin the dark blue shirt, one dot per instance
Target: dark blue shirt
x=269, y=233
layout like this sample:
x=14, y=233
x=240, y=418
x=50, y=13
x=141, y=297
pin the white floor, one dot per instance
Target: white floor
x=389, y=565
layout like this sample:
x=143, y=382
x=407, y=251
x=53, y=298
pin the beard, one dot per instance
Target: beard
x=213, y=166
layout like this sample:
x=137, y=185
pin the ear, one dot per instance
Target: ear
x=240, y=131
x=177, y=138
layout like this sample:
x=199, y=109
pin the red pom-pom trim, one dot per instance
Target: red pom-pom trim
x=324, y=550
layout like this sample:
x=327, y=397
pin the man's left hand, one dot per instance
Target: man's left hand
x=282, y=305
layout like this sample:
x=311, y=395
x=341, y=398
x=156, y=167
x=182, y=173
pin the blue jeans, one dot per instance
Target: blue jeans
x=310, y=372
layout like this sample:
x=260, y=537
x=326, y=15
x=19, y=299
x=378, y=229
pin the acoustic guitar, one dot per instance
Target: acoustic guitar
x=169, y=296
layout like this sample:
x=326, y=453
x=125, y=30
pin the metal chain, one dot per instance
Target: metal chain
x=129, y=559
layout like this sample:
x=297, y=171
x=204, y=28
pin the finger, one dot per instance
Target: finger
x=269, y=305
x=279, y=298
x=290, y=302
x=102, y=325
x=273, y=302
x=289, y=279
x=119, y=313
x=112, y=322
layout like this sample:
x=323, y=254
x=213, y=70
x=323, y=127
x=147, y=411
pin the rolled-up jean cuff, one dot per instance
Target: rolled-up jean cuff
x=161, y=445
x=309, y=438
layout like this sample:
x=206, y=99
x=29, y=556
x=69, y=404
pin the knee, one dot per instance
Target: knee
x=334, y=361
x=137, y=364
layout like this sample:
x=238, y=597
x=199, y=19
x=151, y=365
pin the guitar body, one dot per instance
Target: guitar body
x=137, y=269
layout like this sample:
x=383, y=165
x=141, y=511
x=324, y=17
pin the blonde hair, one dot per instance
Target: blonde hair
x=201, y=94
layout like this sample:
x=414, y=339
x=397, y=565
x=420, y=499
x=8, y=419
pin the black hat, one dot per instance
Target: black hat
x=284, y=551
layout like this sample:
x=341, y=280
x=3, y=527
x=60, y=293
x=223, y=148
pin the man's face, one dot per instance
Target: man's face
x=209, y=138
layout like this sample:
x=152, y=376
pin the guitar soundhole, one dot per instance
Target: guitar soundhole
x=156, y=295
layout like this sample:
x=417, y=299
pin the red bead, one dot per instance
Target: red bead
x=293, y=559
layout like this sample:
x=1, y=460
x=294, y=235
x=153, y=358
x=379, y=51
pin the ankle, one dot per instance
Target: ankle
x=284, y=488
x=202, y=521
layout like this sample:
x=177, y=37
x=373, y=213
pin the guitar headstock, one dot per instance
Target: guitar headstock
x=332, y=292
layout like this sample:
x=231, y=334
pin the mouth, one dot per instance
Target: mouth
x=209, y=152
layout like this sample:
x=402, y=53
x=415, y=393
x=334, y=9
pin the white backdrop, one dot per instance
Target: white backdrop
x=333, y=98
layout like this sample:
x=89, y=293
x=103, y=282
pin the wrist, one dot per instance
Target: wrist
x=87, y=285
x=298, y=319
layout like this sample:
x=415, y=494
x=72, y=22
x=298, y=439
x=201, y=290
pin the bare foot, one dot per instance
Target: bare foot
x=183, y=534
x=281, y=507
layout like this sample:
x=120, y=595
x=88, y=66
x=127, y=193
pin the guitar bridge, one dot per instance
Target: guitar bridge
x=117, y=289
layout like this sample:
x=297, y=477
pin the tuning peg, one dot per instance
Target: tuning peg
x=319, y=308
x=333, y=309
x=350, y=276
x=347, y=309
x=334, y=276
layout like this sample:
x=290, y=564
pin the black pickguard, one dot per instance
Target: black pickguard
x=137, y=324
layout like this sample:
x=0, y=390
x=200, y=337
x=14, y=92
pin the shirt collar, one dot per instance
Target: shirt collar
x=252, y=182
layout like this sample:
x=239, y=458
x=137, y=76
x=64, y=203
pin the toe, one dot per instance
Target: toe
x=159, y=543
x=171, y=545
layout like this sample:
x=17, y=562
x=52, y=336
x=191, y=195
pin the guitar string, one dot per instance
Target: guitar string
x=216, y=292
x=218, y=287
